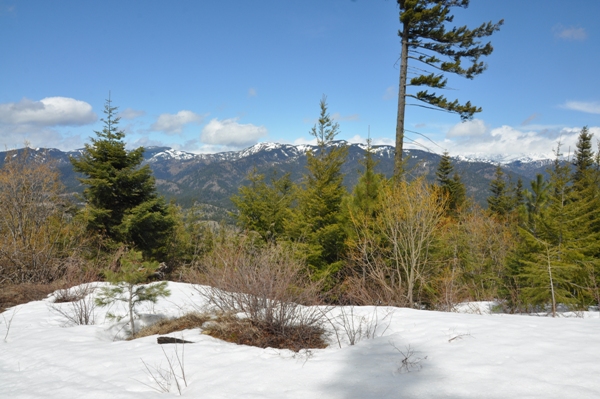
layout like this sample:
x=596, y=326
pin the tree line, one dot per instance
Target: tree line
x=402, y=242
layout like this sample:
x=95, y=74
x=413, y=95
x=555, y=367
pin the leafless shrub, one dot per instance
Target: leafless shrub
x=76, y=305
x=268, y=285
x=163, y=377
x=408, y=361
x=374, y=289
x=37, y=233
x=393, y=251
x=354, y=327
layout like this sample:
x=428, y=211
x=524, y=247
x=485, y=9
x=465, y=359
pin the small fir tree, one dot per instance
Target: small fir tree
x=451, y=185
x=535, y=202
x=364, y=196
x=318, y=221
x=126, y=286
x=264, y=208
x=584, y=157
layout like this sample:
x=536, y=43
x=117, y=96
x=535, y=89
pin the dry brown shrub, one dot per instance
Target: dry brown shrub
x=167, y=326
x=372, y=291
x=268, y=285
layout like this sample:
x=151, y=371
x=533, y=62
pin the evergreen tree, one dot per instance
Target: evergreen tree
x=585, y=196
x=519, y=199
x=424, y=37
x=584, y=156
x=550, y=252
x=264, y=208
x=363, y=199
x=318, y=220
x=499, y=202
x=126, y=286
x=121, y=200
x=535, y=201
x=451, y=185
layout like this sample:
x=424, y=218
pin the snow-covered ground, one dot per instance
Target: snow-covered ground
x=446, y=355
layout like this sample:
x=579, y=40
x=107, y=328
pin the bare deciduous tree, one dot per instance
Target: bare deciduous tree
x=395, y=250
x=34, y=228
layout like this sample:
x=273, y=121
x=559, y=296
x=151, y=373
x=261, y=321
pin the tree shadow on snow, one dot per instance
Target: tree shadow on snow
x=383, y=367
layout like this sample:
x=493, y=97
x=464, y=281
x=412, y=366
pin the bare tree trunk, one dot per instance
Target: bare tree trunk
x=398, y=170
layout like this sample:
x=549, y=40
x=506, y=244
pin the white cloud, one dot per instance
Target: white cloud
x=15, y=136
x=507, y=140
x=174, y=123
x=569, y=33
x=130, y=113
x=229, y=132
x=588, y=107
x=471, y=128
x=50, y=111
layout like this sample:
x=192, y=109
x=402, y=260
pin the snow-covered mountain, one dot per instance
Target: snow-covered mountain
x=505, y=159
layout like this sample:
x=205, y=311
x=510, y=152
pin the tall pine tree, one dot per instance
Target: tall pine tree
x=424, y=36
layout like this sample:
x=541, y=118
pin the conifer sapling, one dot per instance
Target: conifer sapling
x=126, y=285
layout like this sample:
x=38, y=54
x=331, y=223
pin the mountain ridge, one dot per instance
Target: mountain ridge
x=211, y=179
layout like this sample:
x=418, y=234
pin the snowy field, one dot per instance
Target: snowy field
x=413, y=354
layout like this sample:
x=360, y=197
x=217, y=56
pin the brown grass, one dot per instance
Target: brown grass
x=17, y=294
x=240, y=331
x=246, y=332
x=186, y=322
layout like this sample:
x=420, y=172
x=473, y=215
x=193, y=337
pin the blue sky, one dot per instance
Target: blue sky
x=218, y=75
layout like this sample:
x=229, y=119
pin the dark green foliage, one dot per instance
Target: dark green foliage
x=451, y=185
x=318, y=220
x=424, y=38
x=559, y=243
x=519, y=198
x=264, y=208
x=500, y=202
x=535, y=201
x=584, y=156
x=364, y=195
x=121, y=200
